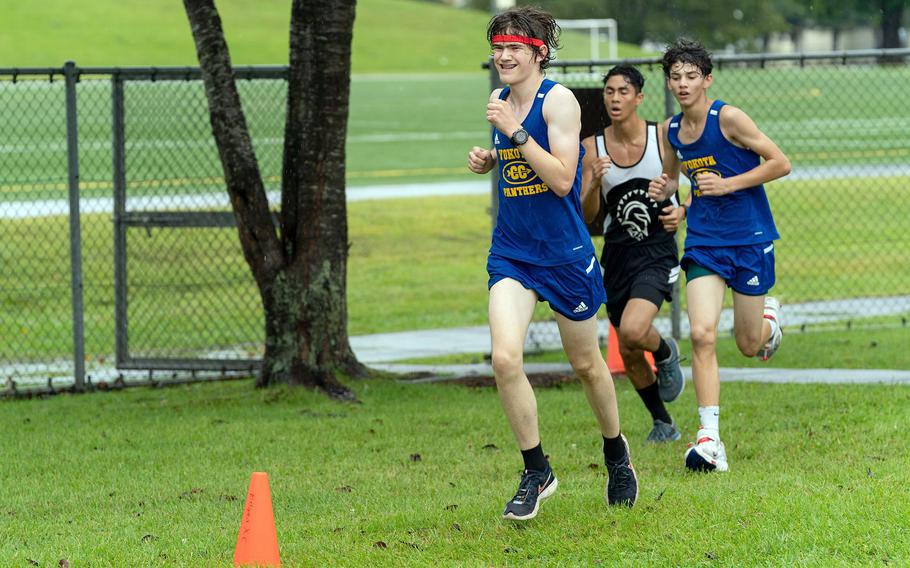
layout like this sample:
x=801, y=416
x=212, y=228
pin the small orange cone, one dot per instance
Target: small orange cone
x=614, y=359
x=257, y=541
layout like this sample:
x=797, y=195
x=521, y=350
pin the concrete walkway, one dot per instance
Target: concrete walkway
x=380, y=351
x=440, y=373
x=388, y=347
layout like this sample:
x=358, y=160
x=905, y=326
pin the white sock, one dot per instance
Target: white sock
x=710, y=418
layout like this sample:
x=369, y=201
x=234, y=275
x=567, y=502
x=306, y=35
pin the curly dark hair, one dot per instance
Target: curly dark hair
x=528, y=21
x=632, y=75
x=687, y=51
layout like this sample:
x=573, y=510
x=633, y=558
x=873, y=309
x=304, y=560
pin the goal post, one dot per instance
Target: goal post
x=595, y=26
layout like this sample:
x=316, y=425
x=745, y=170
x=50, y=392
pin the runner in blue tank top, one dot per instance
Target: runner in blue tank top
x=731, y=234
x=541, y=250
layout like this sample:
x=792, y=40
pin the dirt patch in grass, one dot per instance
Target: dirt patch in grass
x=538, y=380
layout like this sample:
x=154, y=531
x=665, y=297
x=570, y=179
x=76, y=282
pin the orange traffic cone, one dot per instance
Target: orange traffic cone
x=257, y=541
x=614, y=359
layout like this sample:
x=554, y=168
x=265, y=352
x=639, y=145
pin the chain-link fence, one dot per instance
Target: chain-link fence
x=120, y=258
x=118, y=241
x=843, y=119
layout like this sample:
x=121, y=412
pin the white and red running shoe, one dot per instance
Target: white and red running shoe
x=706, y=454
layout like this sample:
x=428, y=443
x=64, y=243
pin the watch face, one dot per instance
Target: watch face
x=520, y=137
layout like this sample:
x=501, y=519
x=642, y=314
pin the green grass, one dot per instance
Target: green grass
x=159, y=477
x=414, y=264
x=389, y=35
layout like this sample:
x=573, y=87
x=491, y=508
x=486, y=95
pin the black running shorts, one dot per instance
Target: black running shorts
x=646, y=271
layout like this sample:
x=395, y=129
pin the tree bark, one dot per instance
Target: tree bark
x=301, y=275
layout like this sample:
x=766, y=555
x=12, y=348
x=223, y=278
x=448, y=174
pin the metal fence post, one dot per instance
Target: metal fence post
x=121, y=328
x=71, y=74
x=675, y=308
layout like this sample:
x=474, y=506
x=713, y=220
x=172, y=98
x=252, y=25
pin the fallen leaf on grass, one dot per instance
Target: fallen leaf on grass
x=193, y=491
x=380, y=544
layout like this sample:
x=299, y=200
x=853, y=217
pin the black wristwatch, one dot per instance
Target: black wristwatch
x=519, y=137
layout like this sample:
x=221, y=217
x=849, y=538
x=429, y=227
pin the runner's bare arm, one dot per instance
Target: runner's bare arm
x=590, y=184
x=742, y=131
x=563, y=117
x=663, y=187
x=481, y=160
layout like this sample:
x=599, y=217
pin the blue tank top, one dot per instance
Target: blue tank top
x=533, y=224
x=739, y=218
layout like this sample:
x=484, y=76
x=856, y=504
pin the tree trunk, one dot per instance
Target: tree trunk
x=301, y=276
x=313, y=208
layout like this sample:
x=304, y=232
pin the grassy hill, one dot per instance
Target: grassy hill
x=389, y=35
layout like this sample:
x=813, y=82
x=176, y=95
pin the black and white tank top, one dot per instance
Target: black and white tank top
x=631, y=215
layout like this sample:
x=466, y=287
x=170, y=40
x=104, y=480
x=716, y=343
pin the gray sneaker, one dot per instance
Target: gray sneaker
x=670, y=379
x=663, y=432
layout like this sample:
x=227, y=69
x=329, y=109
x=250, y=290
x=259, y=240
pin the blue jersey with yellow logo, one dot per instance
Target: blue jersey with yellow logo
x=739, y=218
x=535, y=225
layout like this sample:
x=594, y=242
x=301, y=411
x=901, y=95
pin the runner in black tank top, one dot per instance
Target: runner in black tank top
x=639, y=257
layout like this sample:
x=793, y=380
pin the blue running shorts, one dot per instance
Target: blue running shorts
x=574, y=290
x=747, y=269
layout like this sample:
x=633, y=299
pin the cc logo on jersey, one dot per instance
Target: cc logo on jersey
x=517, y=172
x=693, y=175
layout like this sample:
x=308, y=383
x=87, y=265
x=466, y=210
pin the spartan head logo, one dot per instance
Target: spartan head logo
x=635, y=218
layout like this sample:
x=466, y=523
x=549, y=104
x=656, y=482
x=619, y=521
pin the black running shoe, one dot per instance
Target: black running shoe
x=535, y=486
x=622, y=486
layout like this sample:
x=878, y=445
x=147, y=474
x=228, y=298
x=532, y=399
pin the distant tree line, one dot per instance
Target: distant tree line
x=746, y=24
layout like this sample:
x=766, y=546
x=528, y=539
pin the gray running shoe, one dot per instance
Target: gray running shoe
x=670, y=379
x=663, y=432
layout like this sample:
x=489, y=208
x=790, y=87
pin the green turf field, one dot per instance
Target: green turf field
x=159, y=477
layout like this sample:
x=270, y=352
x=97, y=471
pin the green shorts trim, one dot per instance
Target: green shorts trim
x=694, y=271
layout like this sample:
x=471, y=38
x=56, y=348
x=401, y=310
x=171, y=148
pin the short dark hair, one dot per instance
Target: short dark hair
x=528, y=21
x=687, y=51
x=632, y=75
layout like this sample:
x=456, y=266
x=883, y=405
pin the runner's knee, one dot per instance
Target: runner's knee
x=749, y=343
x=703, y=336
x=507, y=364
x=587, y=367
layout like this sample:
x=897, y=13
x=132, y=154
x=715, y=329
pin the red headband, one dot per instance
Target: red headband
x=517, y=39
